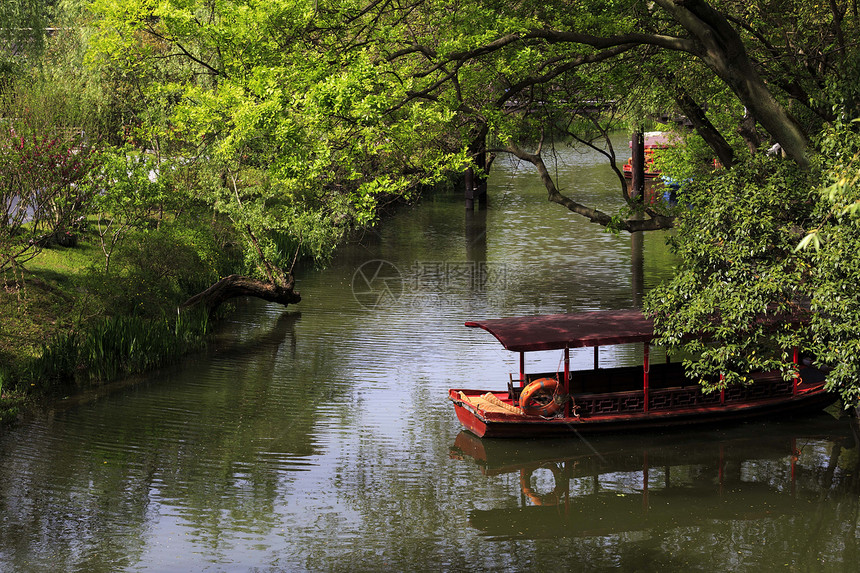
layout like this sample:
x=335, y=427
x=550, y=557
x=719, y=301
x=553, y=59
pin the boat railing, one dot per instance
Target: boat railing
x=619, y=390
x=617, y=379
x=599, y=404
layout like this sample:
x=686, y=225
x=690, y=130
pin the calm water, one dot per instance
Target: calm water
x=321, y=438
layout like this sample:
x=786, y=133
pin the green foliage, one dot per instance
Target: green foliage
x=39, y=195
x=762, y=246
x=21, y=33
x=48, y=139
x=155, y=269
x=833, y=278
x=739, y=279
x=67, y=321
x=295, y=124
x=125, y=190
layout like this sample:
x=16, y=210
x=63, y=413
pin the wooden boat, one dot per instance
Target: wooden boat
x=614, y=399
x=654, y=140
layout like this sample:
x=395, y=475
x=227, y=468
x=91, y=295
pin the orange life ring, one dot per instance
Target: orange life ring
x=539, y=398
x=552, y=498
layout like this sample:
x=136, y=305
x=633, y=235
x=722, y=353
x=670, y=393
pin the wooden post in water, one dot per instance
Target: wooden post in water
x=481, y=182
x=637, y=183
x=470, y=189
x=476, y=185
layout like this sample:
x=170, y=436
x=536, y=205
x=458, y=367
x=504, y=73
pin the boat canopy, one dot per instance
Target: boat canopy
x=658, y=139
x=557, y=331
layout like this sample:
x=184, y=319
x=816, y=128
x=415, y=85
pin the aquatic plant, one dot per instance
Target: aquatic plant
x=114, y=347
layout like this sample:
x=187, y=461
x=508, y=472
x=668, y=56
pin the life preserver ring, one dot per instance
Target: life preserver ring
x=551, y=498
x=540, y=398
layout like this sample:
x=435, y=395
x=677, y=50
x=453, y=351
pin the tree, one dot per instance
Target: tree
x=43, y=158
x=511, y=74
x=275, y=98
x=770, y=269
x=515, y=69
x=737, y=301
x=22, y=24
x=830, y=281
x=126, y=192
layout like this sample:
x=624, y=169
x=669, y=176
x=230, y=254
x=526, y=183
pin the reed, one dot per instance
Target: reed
x=115, y=347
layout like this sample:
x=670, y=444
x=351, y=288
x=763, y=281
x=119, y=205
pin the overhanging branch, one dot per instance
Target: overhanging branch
x=655, y=222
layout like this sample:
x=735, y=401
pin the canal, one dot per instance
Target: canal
x=320, y=438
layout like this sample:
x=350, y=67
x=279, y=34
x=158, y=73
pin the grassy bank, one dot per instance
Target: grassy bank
x=68, y=324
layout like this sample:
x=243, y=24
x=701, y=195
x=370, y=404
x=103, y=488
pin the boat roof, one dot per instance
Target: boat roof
x=556, y=331
x=658, y=139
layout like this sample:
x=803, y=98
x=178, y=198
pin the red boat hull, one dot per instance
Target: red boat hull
x=509, y=425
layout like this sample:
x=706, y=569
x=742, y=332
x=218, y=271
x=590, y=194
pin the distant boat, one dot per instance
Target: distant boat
x=614, y=399
x=654, y=140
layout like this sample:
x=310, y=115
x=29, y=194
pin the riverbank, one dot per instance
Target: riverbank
x=71, y=322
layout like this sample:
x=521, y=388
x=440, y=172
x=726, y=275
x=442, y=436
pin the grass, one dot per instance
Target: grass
x=10, y=403
x=65, y=325
x=38, y=302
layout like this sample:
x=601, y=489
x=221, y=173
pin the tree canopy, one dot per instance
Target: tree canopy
x=386, y=96
x=21, y=30
x=296, y=121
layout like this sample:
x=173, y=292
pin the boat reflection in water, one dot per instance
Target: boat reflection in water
x=626, y=484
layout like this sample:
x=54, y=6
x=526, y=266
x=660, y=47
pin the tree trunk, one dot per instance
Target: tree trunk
x=722, y=50
x=237, y=285
x=749, y=133
x=637, y=173
x=705, y=128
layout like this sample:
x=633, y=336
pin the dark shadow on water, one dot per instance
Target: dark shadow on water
x=633, y=486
